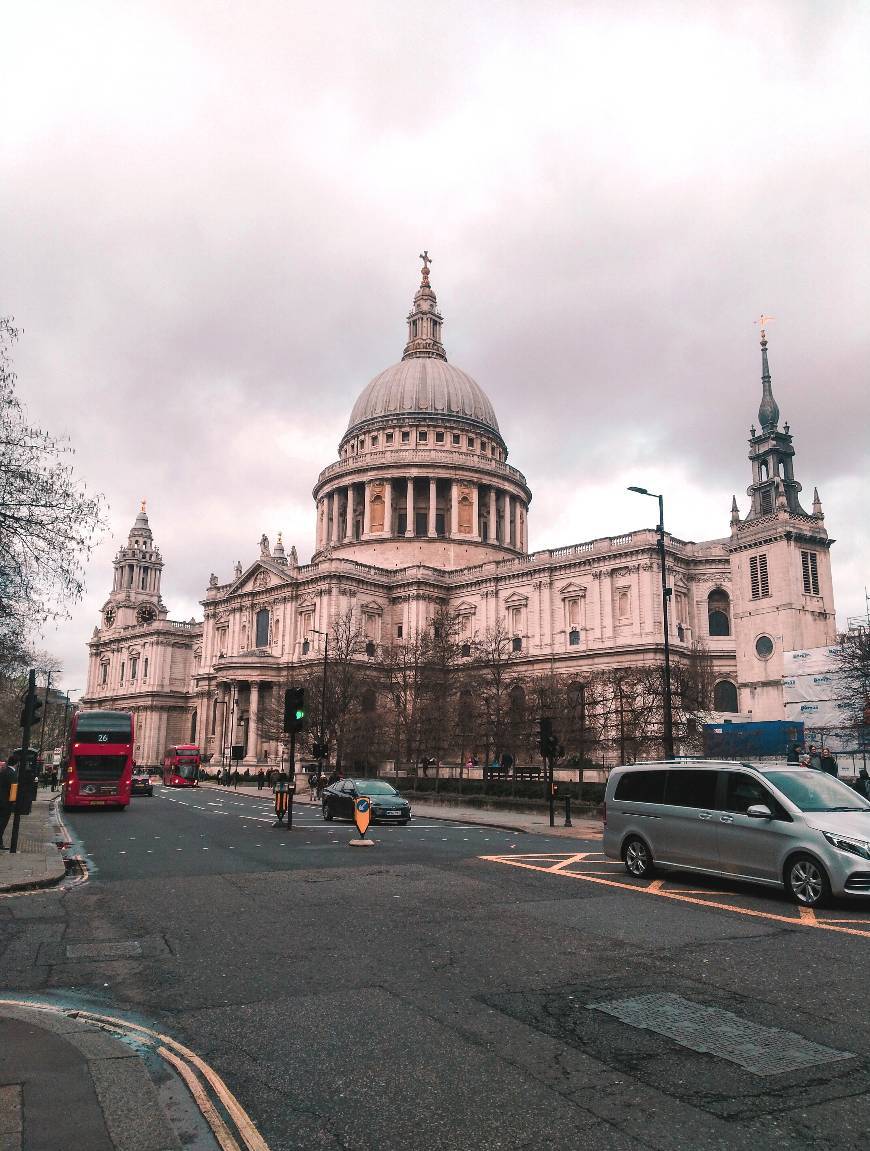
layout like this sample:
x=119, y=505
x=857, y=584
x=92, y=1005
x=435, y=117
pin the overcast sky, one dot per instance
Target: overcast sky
x=210, y=215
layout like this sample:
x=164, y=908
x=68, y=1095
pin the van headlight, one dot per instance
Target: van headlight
x=850, y=846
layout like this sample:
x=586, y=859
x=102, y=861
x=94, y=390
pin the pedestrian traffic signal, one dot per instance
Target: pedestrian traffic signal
x=294, y=709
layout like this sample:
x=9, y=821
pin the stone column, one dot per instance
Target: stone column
x=475, y=511
x=253, y=723
x=493, y=521
x=409, y=526
x=454, y=509
x=388, y=507
x=336, y=517
x=433, y=495
x=367, y=510
x=348, y=522
x=518, y=526
x=507, y=519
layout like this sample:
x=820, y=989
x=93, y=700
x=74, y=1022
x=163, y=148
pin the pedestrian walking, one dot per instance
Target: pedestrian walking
x=52, y=779
x=829, y=762
x=8, y=776
x=261, y=779
x=815, y=758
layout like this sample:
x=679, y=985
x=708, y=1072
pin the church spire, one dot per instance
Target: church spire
x=424, y=320
x=768, y=411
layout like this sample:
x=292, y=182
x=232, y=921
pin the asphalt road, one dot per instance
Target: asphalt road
x=457, y=987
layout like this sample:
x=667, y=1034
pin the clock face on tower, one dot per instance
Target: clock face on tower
x=109, y=616
x=145, y=614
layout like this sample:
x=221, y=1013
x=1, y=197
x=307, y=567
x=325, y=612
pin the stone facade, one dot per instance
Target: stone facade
x=422, y=511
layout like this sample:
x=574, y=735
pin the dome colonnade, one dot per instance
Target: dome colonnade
x=422, y=459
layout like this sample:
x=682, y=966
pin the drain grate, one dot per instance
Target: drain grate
x=712, y=1031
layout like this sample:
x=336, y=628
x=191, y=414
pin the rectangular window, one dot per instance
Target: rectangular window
x=388, y=437
x=642, y=787
x=134, y=667
x=483, y=445
x=145, y=669
x=766, y=501
x=123, y=667
x=758, y=576
x=810, y=567
x=439, y=437
x=406, y=437
x=399, y=632
x=422, y=437
x=104, y=677
x=470, y=441
x=401, y=523
x=439, y=523
x=517, y=644
x=374, y=441
x=687, y=788
x=455, y=438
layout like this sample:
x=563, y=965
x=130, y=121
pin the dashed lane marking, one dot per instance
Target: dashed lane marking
x=806, y=917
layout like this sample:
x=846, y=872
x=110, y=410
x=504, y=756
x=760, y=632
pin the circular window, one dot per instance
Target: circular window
x=764, y=647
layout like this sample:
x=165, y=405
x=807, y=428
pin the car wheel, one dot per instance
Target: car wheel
x=327, y=812
x=637, y=857
x=807, y=882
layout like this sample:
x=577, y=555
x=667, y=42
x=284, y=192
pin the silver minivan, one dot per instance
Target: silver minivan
x=789, y=827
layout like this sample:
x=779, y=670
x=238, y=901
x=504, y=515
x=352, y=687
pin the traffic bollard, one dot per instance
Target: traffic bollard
x=568, y=822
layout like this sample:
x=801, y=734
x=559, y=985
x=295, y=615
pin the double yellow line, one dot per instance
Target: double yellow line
x=236, y=1132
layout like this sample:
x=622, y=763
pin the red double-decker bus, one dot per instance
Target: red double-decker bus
x=99, y=765
x=181, y=765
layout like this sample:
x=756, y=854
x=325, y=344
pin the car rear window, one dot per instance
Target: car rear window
x=688, y=788
x=642, y=787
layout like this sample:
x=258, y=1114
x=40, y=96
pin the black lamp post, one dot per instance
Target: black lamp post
x=322, y=740
x=666, y=595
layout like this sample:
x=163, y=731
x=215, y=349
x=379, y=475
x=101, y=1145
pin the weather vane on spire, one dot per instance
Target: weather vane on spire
x=762, y=322
x=424, y=256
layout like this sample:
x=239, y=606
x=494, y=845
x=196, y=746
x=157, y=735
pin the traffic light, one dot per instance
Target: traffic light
x=548, y=742
x=294, y=709
x=31, y=713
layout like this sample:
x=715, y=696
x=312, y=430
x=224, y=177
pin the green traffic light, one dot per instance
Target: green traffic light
x=299, y=713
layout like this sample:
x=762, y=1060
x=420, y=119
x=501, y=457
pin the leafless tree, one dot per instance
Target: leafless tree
x=852, y=681
x=49, y=523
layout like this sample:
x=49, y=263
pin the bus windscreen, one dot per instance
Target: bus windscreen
x=103, y=727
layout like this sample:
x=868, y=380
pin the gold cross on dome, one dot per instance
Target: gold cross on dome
x=763, y=321
x=424, y=256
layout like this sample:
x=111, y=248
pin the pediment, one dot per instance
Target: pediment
x=515, y=599
x=260, y=576
x=572, y=590
x=372, y=608
x=465, y=608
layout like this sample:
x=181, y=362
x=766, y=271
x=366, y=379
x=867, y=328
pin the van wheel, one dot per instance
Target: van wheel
x=807, y=882
x=637, y=858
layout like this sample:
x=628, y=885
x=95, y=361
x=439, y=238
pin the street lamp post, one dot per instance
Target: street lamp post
x=666, y=595
x=320, y=746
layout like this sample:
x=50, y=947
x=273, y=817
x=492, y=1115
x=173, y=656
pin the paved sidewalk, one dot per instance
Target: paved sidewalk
x=68, y=1085
x=38, y=861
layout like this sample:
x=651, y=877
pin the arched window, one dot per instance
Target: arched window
x=263, y=628
x=725, y=696
x=718, y=613
x=193, y=727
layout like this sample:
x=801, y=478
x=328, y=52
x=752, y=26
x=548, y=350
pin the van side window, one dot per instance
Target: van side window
x=641, y=787
x=742, y=791
x=691, y=788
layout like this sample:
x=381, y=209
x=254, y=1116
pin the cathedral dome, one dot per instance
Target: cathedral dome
x=424, y=386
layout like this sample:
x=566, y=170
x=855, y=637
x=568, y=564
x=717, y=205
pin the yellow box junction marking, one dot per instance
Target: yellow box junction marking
x=558, y=866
